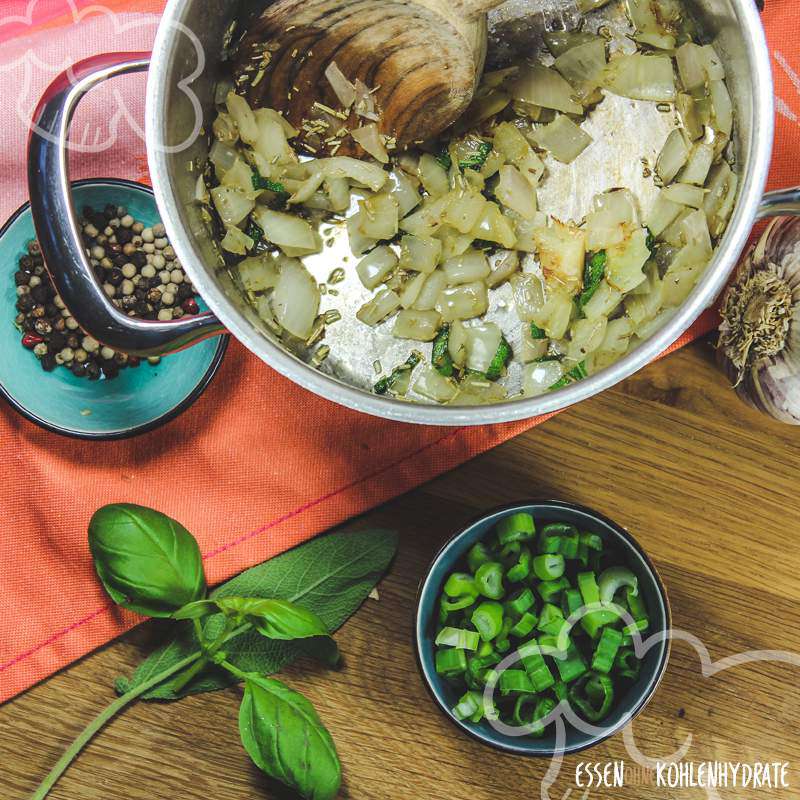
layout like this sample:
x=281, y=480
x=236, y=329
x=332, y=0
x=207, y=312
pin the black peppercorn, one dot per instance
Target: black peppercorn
x=139, y=259
x=39, y=294
x=57, y=341
x=48, y=362
x=133, y=361
x=21, y=279
x=39, y=270
x=25, y=302
x=140, y=293
x=124, y=235
x=109, y=212
x=78, y=370
x=73, y=341
x=26, y=263
x=141, y=308
x=184, y=292
x=34, y=249
x=110, y=369
x=115, y=277
x=92, y=370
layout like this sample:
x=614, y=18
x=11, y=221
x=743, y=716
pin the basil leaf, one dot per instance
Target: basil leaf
x=331, y=575
x=147, y=562
x=286, y=739
x=196, y=610
x=275, y=619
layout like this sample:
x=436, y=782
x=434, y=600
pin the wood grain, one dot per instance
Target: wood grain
x=422, y=57
x=706, y=484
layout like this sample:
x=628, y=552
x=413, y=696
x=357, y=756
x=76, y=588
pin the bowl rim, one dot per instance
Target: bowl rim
x=150, y=425
x=420, y=626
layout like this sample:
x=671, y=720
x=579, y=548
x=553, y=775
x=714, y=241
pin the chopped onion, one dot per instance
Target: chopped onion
x=258, y=273
x=457, y=343
x=434, y=386
x=720, y=196
x=538, y=378
x=376, y=267
x=269, y=113
x=563, y=138
x=542, y=86
x=232, y=204
x=604, y=301
x=240, y=176
x=482, y=344
x=223, y=157
x=463, y=302
x=384, y=303
x=662, y=214
x=225, y=128
x=647, y=24
x=342, y=88
x=472, y=266
x=271, y=143
x=583, y=66
x=243, y=115
x=405, y=190
x=369, y=137
x=365, y=102
x=625, y=261
x=562, y=252
x=617, y=336
x=464, y=209
x=606, y=226
x=474, y=390
x=532, y=349
x=673, y=156
x=412, y=289
x=422, y=326
x=556, y=312
x=370, y=175
x=559, y=42
x=687, y=110
x=379, y=217
x=641, y=77
x=684, y=194
x=722, y=117
x=338, y=190
x=432, y=288
x=516, y=193
x=586, y=336
x=426, y=221
x=698, y=64
x=494, y=227
x=236, y=241
x=359, y=243
x=291, y=233
x=433, y=176
x=504, y=263
x=529, y=296
x=698, y=165
x=420, y=253
x=295, y=301
x=640, y=308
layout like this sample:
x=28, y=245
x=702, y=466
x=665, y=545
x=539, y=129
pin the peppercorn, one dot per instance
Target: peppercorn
x=48, y=362
x=73, y=341
x=133, y=361
x=128, y=303
x=30, y=340
x=52, y=310
x=25, y=302
x=21, y=279
x=110, y=369
x=141, y=308
x=92, y=370
x=78, y=370
x=43, y=327
x=139, y=259
x=190, y=306
x=26, y=263
x=57, y=340
x=34, y=249
x=124, y=235
x=115, y=277
x=39, y=294
x=38, y=311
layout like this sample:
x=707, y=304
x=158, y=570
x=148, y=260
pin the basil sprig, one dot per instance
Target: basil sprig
x=152, y=565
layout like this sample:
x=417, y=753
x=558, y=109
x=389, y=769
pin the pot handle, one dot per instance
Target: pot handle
x=780, y=203
x=59, y=232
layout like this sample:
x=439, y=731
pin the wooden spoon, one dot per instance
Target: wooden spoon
x=420, y=61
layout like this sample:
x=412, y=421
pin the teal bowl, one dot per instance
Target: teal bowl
x=139, y=399
x=654, y=664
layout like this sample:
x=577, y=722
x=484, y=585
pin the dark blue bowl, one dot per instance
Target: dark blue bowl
x=626, y=708
x=137, y=401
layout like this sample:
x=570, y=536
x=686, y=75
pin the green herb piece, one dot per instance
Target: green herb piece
x=147, y=562
x=592, y=696
x=650, y=241
x=284, y=736
x=444, y=159
x=524, y=626
x=531, y=656
x=593, y=274
x=515, y=681
x=520, y=602
x=333, y=575
x=488, y=620
x=260, y=183
x=502, y=357
x=577, y=373
x=450, y=661
x=518, y=527
x=537, y=332
x=478, y=554
x=140, y=557
x=572, y=665
x=489, y=580
x=255, y=232
x=457, y=637
x=477, y=159
x=440, y=358
x=385, y=384
x=522, y=569
x=606, y=650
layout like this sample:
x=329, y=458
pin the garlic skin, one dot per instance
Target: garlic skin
x=759, y=342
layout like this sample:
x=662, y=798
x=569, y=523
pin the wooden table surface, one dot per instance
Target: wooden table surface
x=708, y=487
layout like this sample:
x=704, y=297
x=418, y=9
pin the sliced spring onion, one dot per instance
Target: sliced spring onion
x=457, y=637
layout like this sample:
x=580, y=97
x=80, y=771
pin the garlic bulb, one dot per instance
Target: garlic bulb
x=759, y=343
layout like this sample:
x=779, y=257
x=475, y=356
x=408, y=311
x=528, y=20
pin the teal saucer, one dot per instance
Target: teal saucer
x=140, y=399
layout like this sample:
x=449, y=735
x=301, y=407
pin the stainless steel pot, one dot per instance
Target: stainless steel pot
x=184, y=68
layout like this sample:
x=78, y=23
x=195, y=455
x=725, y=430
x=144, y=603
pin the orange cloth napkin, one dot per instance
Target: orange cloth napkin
x=257, y=465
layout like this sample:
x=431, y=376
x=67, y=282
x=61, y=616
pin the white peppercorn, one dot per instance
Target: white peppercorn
x=176, y=276
x=165, y=315
x=127, y=287
x=128, y=270
x=148, y=271
x=159, y=230
x=90, y=345
x=159, y=262
x=109, y=289
x=127, y=221
x=72, y=323
x=147, y=236
x=161, y=244
x=107, y=353
x=168, y=298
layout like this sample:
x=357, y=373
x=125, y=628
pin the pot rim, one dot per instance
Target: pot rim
x=330, y=388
